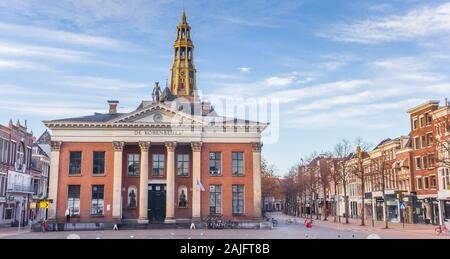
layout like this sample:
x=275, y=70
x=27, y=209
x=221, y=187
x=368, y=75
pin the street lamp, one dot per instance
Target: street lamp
x=20, y=212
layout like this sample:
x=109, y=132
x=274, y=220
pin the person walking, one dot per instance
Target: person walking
x=308, y=223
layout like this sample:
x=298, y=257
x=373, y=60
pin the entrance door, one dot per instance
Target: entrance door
x=156, y=202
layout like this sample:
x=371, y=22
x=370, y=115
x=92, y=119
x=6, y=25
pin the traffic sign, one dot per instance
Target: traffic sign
x=43, y=204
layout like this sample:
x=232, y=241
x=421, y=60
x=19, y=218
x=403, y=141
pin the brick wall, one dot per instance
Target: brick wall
x=86, y=180
x=227, y=180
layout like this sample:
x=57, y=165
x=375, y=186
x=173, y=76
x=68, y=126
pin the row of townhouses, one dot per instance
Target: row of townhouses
x=24, y=171
x=405, y=179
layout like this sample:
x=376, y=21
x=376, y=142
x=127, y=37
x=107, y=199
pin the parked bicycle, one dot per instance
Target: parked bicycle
x=215, y=222
x=442, y=229
x=231, y=224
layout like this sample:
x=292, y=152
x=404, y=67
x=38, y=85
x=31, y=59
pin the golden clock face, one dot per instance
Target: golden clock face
x=182, y=74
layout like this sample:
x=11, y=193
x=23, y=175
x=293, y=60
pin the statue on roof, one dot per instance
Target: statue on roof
x=156, y=92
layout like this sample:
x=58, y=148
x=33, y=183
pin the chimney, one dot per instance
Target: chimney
x=113, y=107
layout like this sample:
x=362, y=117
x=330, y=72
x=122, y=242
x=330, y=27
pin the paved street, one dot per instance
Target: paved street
x=320, y=230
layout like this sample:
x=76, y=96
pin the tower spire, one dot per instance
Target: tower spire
x=183, y=78
x=183, y=17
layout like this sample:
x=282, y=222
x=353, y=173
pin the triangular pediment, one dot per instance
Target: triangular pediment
x=158, y=113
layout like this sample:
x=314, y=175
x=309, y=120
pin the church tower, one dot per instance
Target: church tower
x=183, y=78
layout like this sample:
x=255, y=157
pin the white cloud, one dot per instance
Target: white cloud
x=331, y=66
x=321, y=90
x=22, y=65
x=71, y=38
x=415, y=69
x=419, y=22
x=21, y=50
x=362, y=115
x=90, y=15
x=244, y=69
x=218, y=76
x=99, y=83
x=279, y=81
x=54, y=109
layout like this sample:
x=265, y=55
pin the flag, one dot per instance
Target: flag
x=200, y=185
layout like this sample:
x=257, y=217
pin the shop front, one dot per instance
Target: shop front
x=408, y=209
x=379, y=208
x=427, y=210
x=445, y=208
x=392, y=208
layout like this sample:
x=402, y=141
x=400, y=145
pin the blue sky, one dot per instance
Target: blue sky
x=340, y=69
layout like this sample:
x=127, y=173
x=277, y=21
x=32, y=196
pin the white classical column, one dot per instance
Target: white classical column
x=54, y=176
x=196, y=177
x=170, y=189
x=257, y=210
x=143, y=184
x=117, y=185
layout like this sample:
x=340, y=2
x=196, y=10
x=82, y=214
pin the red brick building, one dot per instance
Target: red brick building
x=173, y=159
x=441, y=131
x=424, y=182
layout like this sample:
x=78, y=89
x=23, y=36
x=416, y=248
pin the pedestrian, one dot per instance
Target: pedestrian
x=67, y=215
x=308, y=223
x=44, y=226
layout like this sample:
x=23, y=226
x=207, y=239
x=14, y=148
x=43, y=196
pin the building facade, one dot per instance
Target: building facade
x=16, y=190
x=40, y=165
x=423, y=163
x=441, y=122
x=173, y=159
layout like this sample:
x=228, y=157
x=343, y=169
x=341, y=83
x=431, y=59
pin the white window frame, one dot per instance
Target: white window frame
x=415, y=162
x=424, y=161
x=417, y=143
x=426, y=119
x=12, y=153
x=444, y=183
x=243, y=163
x=436, y=179
x=426, y=181
x=415, y=118
x=420, y=121
x=419, y=187
x=432, y=137
x=221, y=164
x=243, y=213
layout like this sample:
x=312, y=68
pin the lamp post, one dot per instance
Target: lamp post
x=20, y=212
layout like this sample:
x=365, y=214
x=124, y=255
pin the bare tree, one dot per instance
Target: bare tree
x=313, y=173
x=343, y=151
x=379, y=171
x=336, y=177
x=443, y=147
x=361, y=149
x=269, y=181
x=290, y=189
x=325, y=167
